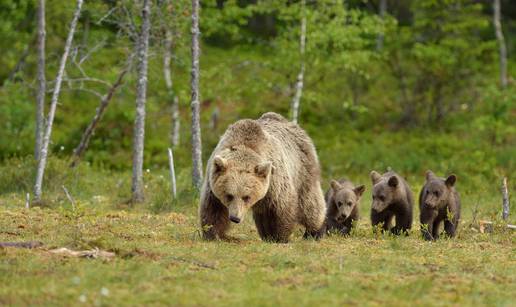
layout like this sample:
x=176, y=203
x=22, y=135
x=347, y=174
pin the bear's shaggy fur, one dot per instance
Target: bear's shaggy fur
x=342, y=200
x=392, y=197
x=269, y=166
x=438, y=202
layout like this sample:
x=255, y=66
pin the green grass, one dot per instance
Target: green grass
x=161, y=259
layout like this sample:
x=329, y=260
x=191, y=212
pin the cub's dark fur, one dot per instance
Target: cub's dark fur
x=392, y=198
x=438, y=202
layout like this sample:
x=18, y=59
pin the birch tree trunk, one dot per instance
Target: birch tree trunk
x=104, y=102
x=195, y=105
x=167, y=55
x=53, y=104
x=40, y=99
x=300, y=77
x=176, y=122
x=382, y=10
x=141, y=96
x=501, y=42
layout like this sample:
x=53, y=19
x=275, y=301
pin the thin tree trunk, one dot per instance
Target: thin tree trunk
x=141, y=96
x=505, y=197
x=104, y=102
x=195, y=104
x=40, y=100
x=381, y=12
x=167, y=55
x=299, y=84
x=53, y=104
x=176, y=122
x=172, y=173
x=501, y=42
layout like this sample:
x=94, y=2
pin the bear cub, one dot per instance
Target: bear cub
x=392, y=198
x=438, y=202
x=342, y=200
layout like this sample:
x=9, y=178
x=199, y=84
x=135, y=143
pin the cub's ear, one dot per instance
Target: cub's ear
x=263, y=170
x=335, y=185
x=429, y=175
x=359, y=190
x=393, y=181
x=450, y=181
x=220, y=165
x=375, y=176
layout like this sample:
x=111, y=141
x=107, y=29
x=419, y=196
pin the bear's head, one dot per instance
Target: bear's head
x=239, y=178
x=437, y=190
x=345, y=199
x=386, y=189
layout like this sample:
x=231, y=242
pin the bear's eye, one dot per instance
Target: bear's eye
x=350, y=203
x=246, y=198
x=436, y=193
x=381, y=198
x=229, y=197
x=339, y=204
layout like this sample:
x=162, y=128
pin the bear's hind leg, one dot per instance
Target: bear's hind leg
x=214, y=217
x=313, y=207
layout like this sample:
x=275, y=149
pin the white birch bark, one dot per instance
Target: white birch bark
x=501, y=42
x=167, y=55
x=176, y=122
x=195, y=104
x=141, y=96
x=300, y=77
x=40, y=99
x=53, y=104
x=382, y=10
x=172, y=173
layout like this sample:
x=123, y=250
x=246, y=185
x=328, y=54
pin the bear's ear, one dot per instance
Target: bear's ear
x=393, y=181
x=359, y=190
x=219, y=164
x=335, y=185
x=450, y=181
x=375, y=176
x=263, y=170
x=429, y=175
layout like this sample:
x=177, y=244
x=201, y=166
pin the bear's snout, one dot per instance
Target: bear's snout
x=234, y=219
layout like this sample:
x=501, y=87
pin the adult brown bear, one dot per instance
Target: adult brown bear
x=269, y=166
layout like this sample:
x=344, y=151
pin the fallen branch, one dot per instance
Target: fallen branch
x=93, y=254
x=194, y=262
x=28, y=244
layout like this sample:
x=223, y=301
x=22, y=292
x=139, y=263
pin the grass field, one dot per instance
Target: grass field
x=161, y=260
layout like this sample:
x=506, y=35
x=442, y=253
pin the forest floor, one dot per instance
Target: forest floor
x=161, y=260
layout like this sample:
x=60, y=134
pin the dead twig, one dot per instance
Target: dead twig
x=505, y=201
x=69, y=197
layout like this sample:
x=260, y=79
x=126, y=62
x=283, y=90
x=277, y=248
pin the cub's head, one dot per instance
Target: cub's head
x=239, y=178
x=345, y=199
x=437, y=189
x=385, y=190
